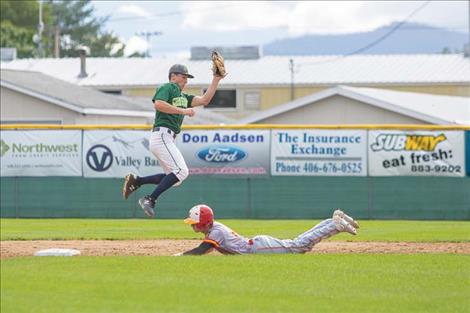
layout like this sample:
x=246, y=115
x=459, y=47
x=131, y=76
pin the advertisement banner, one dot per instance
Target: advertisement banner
x=118, y=153
x=225, y=152
x=467, y=150
x=41, y=153
x=319, y=152
x=416, y=153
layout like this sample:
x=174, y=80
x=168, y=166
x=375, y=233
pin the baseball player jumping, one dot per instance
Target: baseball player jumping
x=223, y=239
x=171, y=105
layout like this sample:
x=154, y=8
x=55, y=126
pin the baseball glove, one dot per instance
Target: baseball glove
x=218, y=65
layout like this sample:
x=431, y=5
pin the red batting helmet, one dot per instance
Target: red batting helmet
x=200, y=215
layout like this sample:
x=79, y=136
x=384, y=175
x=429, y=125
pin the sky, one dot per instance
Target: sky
x=179, y=25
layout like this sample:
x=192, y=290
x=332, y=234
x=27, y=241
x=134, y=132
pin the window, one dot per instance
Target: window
x=113, y=92
x=223, y=99
x=57, y=122
x=252, y=100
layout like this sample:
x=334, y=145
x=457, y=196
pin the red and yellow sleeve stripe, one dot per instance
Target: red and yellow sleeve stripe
x=212, y=242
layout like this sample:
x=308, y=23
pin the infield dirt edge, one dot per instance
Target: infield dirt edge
x=167, y=247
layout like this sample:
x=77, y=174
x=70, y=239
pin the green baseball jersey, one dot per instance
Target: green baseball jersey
x=171, y=93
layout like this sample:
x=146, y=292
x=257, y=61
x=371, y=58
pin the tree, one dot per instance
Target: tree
x=68, y=23
x=24, y=14
x=446, y=50
x=19, y=22
x=17, y=37
x=107, y=45
x=73, y=22
x=138, y=54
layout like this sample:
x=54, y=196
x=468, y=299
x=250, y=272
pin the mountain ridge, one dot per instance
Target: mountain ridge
x=409, y=38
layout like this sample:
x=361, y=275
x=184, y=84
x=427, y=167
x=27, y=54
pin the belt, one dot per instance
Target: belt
x=169, y=131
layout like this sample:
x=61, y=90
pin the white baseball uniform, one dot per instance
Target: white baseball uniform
x=166, y=127
x=227, y=241
x=163, y=146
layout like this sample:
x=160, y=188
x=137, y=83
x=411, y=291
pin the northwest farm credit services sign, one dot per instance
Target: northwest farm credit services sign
x=416, y=153
x=319, y=153
x=225, y=152
x=41, y=153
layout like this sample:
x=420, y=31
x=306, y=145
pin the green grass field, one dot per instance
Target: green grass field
x=255, y=283
x=413, y=231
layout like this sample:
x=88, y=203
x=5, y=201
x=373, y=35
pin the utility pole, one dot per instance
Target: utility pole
x=291, y=68
x=57, y=42
x=147, y=36
x=37, y=38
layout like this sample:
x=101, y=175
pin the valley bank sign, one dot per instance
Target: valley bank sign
x=225, y=152
x=118, y=153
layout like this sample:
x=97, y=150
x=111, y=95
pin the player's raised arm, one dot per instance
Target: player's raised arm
x=209, y=94
x=218, y=69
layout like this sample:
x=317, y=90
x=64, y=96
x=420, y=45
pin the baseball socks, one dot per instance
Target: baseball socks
x=133, y=182
x=167, y=181
x=153, y=179
x=147, y=203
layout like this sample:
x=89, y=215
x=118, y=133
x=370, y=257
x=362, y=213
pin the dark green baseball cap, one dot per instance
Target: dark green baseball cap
x=180, y=69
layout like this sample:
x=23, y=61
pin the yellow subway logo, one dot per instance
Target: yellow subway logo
x=399, y=142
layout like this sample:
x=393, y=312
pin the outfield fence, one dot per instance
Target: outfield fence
x=254, y=171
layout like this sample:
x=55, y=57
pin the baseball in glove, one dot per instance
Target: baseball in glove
x=218, y=65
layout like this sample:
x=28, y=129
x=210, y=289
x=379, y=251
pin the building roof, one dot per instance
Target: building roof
x=441, y=110
x=267, y=70
x=80, y=99
x=89, y=101
x=203, y=116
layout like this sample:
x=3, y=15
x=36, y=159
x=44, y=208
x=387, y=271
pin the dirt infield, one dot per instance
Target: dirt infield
x=11, y=249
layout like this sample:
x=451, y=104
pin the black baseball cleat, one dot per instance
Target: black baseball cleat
x=147, y=204
x=130, y=185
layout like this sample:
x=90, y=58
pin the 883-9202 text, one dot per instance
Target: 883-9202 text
x=446, y=168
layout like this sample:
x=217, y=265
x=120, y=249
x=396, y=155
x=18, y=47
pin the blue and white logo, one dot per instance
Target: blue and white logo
x=99, y=158
x=221, y=154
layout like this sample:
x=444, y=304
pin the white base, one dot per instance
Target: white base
x=57, y=252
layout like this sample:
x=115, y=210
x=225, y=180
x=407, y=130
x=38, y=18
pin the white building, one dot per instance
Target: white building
x=254, y=85
x=354, y=105
x=33, y=97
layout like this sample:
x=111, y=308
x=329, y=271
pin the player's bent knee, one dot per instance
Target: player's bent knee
x=182, y=175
